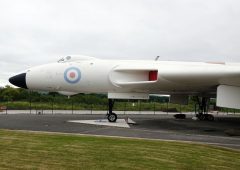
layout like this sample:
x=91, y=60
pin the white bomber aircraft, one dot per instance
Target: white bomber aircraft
x=136, y=79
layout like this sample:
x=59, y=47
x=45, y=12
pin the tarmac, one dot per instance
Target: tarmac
x=224, y=131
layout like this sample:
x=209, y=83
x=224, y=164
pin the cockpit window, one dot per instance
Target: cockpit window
x=73, y=58
x=64, y=59
x=61, y=60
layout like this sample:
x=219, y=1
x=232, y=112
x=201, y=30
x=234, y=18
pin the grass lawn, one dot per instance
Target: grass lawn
x=28, y=150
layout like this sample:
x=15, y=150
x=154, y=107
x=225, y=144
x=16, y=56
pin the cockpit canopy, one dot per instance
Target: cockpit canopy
x=75, y=58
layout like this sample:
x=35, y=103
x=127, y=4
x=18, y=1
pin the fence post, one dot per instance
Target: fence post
x=52, y=103
x=125, y=104
x=91, y=109
x=72, y=105
x=7, y=108
x=30, y=101
x=139, y=108
x=154, y=107
x=167, y=108
x=195, y=107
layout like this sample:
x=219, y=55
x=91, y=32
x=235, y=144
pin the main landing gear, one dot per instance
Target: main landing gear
x=112, y=117
x=203, y=104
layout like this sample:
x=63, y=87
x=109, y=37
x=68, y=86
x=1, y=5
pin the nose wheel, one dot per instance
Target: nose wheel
x=112, y=117
x=206, y=116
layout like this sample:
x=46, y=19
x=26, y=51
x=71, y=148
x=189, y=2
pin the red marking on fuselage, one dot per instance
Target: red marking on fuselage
x=153, y=75
x=72, y=75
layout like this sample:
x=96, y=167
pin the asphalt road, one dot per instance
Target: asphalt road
x=148, y=126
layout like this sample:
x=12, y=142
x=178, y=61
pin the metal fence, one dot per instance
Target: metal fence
x=127, y=107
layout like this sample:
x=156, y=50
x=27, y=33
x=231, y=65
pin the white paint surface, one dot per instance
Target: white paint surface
x=105, y=122
x=128, y=96
x=228, y=96
x=126, y=79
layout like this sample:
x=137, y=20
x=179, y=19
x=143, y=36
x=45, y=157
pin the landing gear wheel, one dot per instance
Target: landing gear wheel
x=112, y=117
x=200, y=116
x=209, y=117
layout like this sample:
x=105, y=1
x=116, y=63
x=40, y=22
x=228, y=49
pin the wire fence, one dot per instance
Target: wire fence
x=121, y=107
x=83, y=108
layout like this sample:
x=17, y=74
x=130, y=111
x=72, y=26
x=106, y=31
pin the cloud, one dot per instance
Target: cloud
x=37, y=32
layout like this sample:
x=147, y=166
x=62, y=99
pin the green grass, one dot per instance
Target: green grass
x=27, y=150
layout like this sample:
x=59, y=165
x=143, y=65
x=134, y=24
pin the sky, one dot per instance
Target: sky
x=34, y=32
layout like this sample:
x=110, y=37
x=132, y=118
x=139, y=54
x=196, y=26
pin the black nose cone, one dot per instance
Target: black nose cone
x=19, y=80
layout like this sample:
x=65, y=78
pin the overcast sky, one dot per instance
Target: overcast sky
x=36, y=32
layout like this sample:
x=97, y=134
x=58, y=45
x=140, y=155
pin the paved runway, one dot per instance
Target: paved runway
x=148, y=126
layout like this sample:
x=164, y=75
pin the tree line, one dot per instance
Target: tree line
x=10, y=94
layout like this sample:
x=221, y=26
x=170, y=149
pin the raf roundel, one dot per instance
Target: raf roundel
x=72, y=75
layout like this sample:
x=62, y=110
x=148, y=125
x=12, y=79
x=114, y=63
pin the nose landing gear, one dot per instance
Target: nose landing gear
x=112, y=117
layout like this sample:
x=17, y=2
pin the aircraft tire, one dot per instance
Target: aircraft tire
x=209, y=117
x=112, y=117
x=201, y=116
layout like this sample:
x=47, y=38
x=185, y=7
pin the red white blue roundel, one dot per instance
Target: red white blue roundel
x=72, y=75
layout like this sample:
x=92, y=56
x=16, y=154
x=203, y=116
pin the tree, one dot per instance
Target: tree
x=9, y=93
